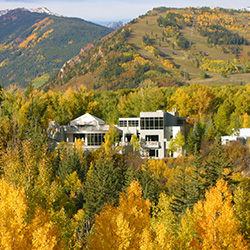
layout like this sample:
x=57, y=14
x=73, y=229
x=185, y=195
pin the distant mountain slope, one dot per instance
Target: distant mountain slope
x=33, y=46
x=169, y=47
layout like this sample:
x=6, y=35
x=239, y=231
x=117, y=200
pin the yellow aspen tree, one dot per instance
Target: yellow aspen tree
x=163, y=224
x=215, y=223
x=44, y=235
x=125, y=226
x=245, y=120
x=186, y=232
x=157, y=167
x=13, y=207
x=73, y=183
x=111, y=139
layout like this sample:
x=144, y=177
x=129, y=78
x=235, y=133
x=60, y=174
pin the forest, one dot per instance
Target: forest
x=69, y=199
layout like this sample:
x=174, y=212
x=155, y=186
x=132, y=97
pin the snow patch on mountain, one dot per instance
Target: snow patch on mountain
x=116, y=25
x=43, y=10
x=3, y=12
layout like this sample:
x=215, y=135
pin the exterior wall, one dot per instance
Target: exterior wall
x=154, y=130
x=171, y=118
x=152, y=147
x=243, y=134
x=124, y=126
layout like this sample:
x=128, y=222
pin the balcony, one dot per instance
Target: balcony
x=152, y=144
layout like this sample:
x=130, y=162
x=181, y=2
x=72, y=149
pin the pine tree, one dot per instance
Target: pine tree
x=216, y=166
x=148, y=182
x=210, y=131
x=194, y=139
x=195, y=183
x=103, y=185
x=179, y=202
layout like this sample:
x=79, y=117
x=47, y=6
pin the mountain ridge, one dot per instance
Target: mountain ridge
x=168, y=46
x=35, y=45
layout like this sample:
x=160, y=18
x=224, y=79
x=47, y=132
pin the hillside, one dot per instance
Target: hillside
x=169, y=47
x=34, y=46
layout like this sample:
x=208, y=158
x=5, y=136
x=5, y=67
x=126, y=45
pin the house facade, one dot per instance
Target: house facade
x=242, y=135
x=153, y=129
x=88, y=128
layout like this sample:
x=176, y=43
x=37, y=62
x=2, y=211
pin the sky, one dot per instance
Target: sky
x=105, y=11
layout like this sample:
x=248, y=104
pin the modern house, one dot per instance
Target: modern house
x=88, y=128
x=153, y=129
x=242, y=134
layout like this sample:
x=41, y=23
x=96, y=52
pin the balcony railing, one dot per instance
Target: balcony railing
x=151, y=144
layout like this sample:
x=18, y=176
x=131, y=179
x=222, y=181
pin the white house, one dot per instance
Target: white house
x=88, y=128
x=242, y=134
x=153, y=129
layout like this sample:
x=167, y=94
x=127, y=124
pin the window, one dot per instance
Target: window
x=78, y=136
x=152, y=138
x=95, y=139
x=152, y=153
x=128, y=137
x=123, y=123
x=180, y=122
x=152, y=123
x=133, y=123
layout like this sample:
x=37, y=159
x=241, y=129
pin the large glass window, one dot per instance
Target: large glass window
x=78, y=136
x=133, y=123
x=123, y=123
x=95, y=139
x=152, y=138
x=180, y=122
x=151, y=123
x=153, y=153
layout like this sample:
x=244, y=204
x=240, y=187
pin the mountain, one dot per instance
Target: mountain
x=3, y=12
x=34, y=46
x=116, y=25
x=169, y=47
x=43, y=10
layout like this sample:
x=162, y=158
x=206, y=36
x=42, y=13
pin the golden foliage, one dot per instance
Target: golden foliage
x=218, y=66
x=45, y=35
x=15, y=231
x=125, y=226
x=215, y=223
x=157, y=167
x=29, y=39
x=13, y=207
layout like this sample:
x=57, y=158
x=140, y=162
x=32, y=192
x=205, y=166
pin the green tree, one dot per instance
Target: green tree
x=194, y=139
x=177, y=143
x=104, y=182
x=135, y=142
x=179, y=202
x=216, y=167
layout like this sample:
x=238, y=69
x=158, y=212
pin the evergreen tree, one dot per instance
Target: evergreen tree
x=195, y=185
x=210, y=131
x=103, y=185
x=216, y=167
x=148, y=182
x=179, y=202
x=194, y=139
